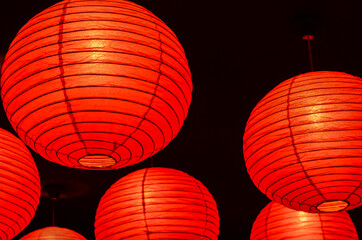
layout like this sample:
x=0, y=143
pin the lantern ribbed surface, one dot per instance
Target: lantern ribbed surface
x=53, y=233
x=303, y=142
x=157, y=203
x=19, y=186
x=96, y=84
x=276, y=222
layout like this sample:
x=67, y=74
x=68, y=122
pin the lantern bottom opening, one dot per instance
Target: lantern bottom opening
x=97, y=161
x=333, y=206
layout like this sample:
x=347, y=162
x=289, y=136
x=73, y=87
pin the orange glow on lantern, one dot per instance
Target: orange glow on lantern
x=96, y=84
x=303, y=142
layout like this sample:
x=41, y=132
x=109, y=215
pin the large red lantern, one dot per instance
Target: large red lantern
x=53, y=233
x=19, y=186
x=303, y=142
x=277, y=222
x=157, y=203
x=96, y=84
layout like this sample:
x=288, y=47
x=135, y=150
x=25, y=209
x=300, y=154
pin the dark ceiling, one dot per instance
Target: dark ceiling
x=237, y=51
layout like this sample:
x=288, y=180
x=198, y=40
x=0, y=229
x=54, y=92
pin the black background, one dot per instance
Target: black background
x=237, y=51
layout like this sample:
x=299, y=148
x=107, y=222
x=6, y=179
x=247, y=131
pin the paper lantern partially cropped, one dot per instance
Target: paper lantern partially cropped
x=96, y=84
x=53, y=233
x=19, y=186
x=303, y=142
x=277, y=222
x=157, y=203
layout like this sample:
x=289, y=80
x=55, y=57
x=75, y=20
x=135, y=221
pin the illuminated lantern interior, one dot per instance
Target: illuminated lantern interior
x=303, y=142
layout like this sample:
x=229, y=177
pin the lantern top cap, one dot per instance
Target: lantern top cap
x=308, y=37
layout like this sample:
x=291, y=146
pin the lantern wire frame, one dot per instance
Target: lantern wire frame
x=19, y=185
x=302, y=143
x=327, y=204
x=157, y=203
x=114, y=56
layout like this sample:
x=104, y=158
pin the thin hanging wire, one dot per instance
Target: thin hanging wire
x=309, y=38
x=53, y=199
x=54, y=193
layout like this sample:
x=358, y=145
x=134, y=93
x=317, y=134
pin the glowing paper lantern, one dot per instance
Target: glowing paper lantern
x=96, y=84
x=19, y=186
x=157, y=203
x=53, y=233
x=277, y=222
x=303, y=142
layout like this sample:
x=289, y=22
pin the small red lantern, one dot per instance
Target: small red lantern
x=53, y=233
x=19, y=186
x=157, y=203
x=303, y=142
x=96, y=84
x=277, y=222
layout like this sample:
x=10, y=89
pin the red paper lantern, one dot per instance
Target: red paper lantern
x=96, y=84
x=19, y=186
x=277, y=222
x=303, y=142
x=53, y=233
x=157, y=203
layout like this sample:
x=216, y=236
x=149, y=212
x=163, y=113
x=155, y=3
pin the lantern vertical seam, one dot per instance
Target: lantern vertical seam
x=144, y=204
x=293, y=141
x=359, y=186
x=41, y=233
x=117, y=145
x=266, y=222
x=206, y=208
x=322, y=230
x=61, y=68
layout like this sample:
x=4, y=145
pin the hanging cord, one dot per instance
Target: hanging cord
x=53, y=191
x=53, y=210
x=309, y=38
